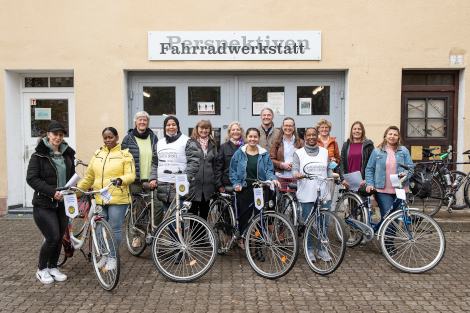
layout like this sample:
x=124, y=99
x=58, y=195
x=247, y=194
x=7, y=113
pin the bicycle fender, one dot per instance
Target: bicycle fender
x=367, y=231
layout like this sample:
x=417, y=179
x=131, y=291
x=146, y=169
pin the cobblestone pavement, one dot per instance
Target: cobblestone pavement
x=364, y=282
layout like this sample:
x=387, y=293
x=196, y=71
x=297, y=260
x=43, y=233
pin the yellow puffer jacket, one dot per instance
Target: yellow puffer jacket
x=106, y=165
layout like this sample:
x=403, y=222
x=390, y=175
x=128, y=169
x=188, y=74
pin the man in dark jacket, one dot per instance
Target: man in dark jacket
x=142, y=142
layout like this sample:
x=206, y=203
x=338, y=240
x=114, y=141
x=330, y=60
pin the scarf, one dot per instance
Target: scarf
x=238, y=142
x=143, y=135
x=204, y=142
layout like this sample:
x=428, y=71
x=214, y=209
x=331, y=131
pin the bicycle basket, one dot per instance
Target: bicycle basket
x=285, y=184
x=420, y=182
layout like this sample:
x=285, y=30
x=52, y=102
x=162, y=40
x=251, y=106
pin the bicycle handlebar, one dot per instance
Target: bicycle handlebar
x=73, y=188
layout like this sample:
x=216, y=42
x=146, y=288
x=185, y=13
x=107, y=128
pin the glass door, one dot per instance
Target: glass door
x=39, y=110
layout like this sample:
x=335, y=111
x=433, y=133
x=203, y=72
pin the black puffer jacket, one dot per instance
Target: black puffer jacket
x=367, y=148
x=222, y=164
x=130, y=143
x=204, y=178
x=42, y=175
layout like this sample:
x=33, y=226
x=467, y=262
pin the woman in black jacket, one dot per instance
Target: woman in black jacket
x=355, y=153
x=234, y=139
x=204, y=179
x=50, y=167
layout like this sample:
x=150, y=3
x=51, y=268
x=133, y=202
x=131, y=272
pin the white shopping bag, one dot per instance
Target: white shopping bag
x=259, y=201
x=182, y=185
x=71, y=207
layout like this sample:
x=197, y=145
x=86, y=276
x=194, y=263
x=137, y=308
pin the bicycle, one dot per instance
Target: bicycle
x=410, y=240
x=102, y=245
x=140, y=221
x=316, y=227
x=183, y=245
x=270, y=239
x=442, y=184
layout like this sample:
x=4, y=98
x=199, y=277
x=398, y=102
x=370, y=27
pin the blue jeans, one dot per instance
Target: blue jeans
x=114, y=214
x=306, y=209
x=385, y=202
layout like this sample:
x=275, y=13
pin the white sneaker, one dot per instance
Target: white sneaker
x=57, y=275
x=102, y=262
x=44, y=276
x=311, y=256
x=111, y=265
x=136, y=242
x=324, y=256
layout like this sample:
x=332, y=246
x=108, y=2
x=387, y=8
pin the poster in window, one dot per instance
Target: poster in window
x=305, y=106
x=204, y=108
x=259, y=106
x=276, y=102
x=42, y=114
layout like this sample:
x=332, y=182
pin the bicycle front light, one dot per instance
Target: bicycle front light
x=98, y=209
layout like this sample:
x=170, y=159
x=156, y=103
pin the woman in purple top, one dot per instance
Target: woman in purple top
x=355, y=153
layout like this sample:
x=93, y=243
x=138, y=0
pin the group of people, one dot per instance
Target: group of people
x=264, y=153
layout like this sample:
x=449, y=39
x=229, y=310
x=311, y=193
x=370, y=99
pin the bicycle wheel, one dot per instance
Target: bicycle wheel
x=103, y=238
x=431, y=205
x=222, y=220
x=287, y=205
x=271, y=245
x=328, y=246
x=136, y=227
x=188, y=260
x=345, y=205
x=417, y=250
x=461, y=200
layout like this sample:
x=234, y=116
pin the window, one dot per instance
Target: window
x=426, y=118
x=313, y=100
x=203, y=100
x=159, y=100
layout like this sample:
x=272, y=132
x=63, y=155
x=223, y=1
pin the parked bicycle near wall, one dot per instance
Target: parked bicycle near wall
x=102, y=241
x=409, y=239
x=269, y=238
x=446, y=185
x=183, y=246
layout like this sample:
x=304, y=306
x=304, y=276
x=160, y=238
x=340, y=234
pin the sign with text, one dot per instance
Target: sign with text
x=234, y=45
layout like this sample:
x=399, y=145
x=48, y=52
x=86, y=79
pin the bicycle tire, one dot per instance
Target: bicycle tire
x=459, y=194
x=431, y=205
x=105, y=239
x=269, y=255
x=220, y=215
x=287, y=205
x=62, y=257
x=77, y=223
x=136, y=211
x=333, y=242
x=187, y=261
x=466, y=196
x=418, y=253
x=344, y=206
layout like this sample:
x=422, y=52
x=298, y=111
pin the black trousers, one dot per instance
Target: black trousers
x=52, y=222
x=200, y=208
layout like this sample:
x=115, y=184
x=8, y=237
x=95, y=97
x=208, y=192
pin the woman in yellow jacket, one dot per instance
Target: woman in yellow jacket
x=111, y=162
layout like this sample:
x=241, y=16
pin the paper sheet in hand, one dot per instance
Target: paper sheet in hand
x=354, y=179
x=72, y=180
x=105, y=195
x=395, y=180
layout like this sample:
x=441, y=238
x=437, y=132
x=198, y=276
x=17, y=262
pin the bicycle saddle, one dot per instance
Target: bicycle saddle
x=363, y=192
x=146, y=186
x=292, y=186
x=229, y=189
x=429, y=150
